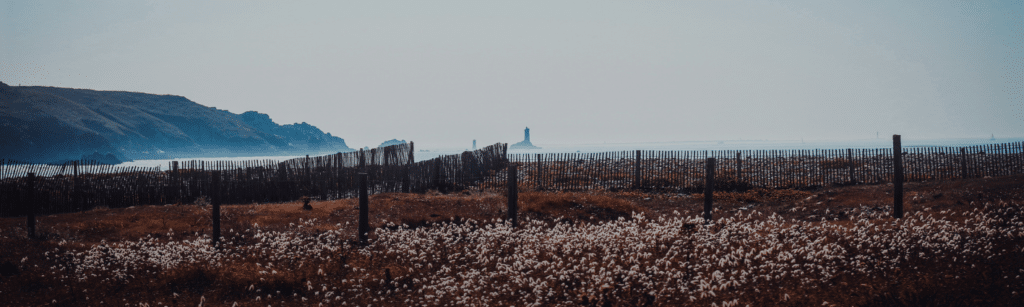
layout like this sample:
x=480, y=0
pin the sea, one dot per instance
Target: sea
x=428, y=153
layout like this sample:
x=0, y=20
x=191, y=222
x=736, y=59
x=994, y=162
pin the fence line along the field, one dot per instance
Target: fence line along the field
x=682, y=171
x=77, y=186
x=83, y=185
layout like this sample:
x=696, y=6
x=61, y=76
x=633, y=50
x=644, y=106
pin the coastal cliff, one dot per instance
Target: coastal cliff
x=45, y=124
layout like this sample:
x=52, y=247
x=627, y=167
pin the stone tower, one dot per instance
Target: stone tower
x=474, y=144
x=525, y=144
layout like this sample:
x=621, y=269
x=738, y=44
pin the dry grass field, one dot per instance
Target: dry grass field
x=962, y=243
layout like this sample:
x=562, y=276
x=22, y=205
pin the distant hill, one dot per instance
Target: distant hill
x=45, y=124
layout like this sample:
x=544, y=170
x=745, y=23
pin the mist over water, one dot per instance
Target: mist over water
x=884, y=142
x=164, y=164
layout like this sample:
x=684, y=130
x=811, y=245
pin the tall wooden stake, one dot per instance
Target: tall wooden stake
x=513, y=194
x=963, y=163
x=897, y=177
x=177, y=182
x=437, y=173
x=540, y=170
x=362, y=160
x=739, y=167
x=309, y=177
x=364, y=209
x=30, y=205
x=709, y=187
x=466, y=168
x=215, y=203
x=636, y=172
x=411, y=154
x=76, y=193
x=405, y=178
x=849, y=164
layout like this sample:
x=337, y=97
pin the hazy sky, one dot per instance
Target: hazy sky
x=443, y=73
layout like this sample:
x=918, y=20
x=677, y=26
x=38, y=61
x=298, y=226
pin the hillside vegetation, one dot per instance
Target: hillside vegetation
x=46, y=124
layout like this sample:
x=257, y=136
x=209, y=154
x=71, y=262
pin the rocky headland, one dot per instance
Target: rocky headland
x=42, y=124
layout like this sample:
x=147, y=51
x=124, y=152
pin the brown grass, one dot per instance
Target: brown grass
x=578, y=206
x=79, y=231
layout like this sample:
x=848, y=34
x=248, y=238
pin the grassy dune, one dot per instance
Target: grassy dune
x=962, y=243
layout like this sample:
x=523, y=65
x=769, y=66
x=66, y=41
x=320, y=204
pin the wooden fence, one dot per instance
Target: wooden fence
x=76, y=185
x=684, y=171
x=471, y=169
x=81, y=186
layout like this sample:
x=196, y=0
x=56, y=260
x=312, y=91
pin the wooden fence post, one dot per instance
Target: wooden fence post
x=408, y=167
x=282, y=181
x=309, y=177
x=405, y=178
x=364, y=209
x=739, y=167
x=362, y=160
x=897, y=177
x=411, y=154
x=540, y=171
x=636, y=172
x=437, y=174
x=963, y=163
x=387, y=175
x=465, y=168
x=709, y=187
x=849, y=164
x=30, y=205
x=513, y=194
x=76, y=192
x=215, y=196
x=177, y=182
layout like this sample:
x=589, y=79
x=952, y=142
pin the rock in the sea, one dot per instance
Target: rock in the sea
x=392, y=142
